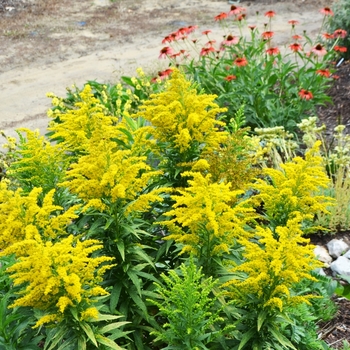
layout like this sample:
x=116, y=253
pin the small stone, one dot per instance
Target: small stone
x=337, y=247
x=341, y=266
x=321, y=254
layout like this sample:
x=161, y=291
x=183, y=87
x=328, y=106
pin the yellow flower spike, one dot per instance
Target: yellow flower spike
x=181, y=116
x=273, y=264
x=56, y=276
x=202, y=213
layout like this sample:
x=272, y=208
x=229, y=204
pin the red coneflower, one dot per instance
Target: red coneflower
x=165, y=73
x=206, y=32
x=240, y=61
x=270, y=14
x=230, y=77
x=327, y=36
x=334, y=76
x=241, y=17
x=340, y=33
x=319, y=50
x=297, y=37
x=293, y=22
x=267, y=35
x=166, y=51
x=206, y=51
x=295, y=47
x=273, y=51
x=167, y=39
x=305, y=94
x=230, y=40
x=324, y=72
x=221, y=16
x=340, y=48
x=327, y=11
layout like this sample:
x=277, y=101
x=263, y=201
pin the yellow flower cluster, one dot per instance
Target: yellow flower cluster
x=294, y=189
x=24, y=217
x=203, y=218
x=108, y=173
x=182, y=116
x=57, y=275
x=39, y=163
x=273, y=265
x=77, y=125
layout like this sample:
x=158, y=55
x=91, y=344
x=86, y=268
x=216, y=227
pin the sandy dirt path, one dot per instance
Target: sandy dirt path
x=113, y=40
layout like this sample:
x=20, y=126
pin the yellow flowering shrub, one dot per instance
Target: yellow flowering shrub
x=27, y=217
x=55, y=276
x=183, y=118
x=203, y=221
x=74, y=127
x=106, y=173
x=39, y=163
x=294, y=189
x=272, y=266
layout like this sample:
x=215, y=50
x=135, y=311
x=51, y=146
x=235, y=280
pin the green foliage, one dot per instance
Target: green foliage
x=341, y=20
x=16, y=324
x=276, y=86
x=186, y=301
x=336, y=162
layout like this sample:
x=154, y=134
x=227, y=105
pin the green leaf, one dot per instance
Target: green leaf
x=107, y=342
x=112, y=326
x=281, y=338
x=246, y=337
x=88, y=331
x=55, y=337
x=261, y=318
x=114, y=298
x=107, y=317
x=121, y=249
x=135, y=280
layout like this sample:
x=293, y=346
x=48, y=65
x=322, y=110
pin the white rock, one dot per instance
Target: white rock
x=337, y=247
x=347, y=254
x=321, y=254
x=341, y=266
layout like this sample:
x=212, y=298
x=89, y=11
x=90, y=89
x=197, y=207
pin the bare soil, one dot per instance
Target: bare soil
x=46, y=46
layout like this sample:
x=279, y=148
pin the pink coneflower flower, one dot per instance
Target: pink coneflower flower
x=206, y=51
x=206, y=32
x=293, y=22
x=324, y=72
x=297, y=37
x=319, y=50
x=270, y=14
x=166, y=51
x=210, y=43
x=230, y=77
x=305, y=94
x=334, y=76
x=273, y=51
x=295, y=47
x=340, y=48
x=241, y=17
x=240, y=61
x=267, y=35
x=221, y=16
x=235, y=10
x=252, y=27
x=230, y=40
x=191, y=29
x=340, y=33
x=327, y=11
x=327, y=36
